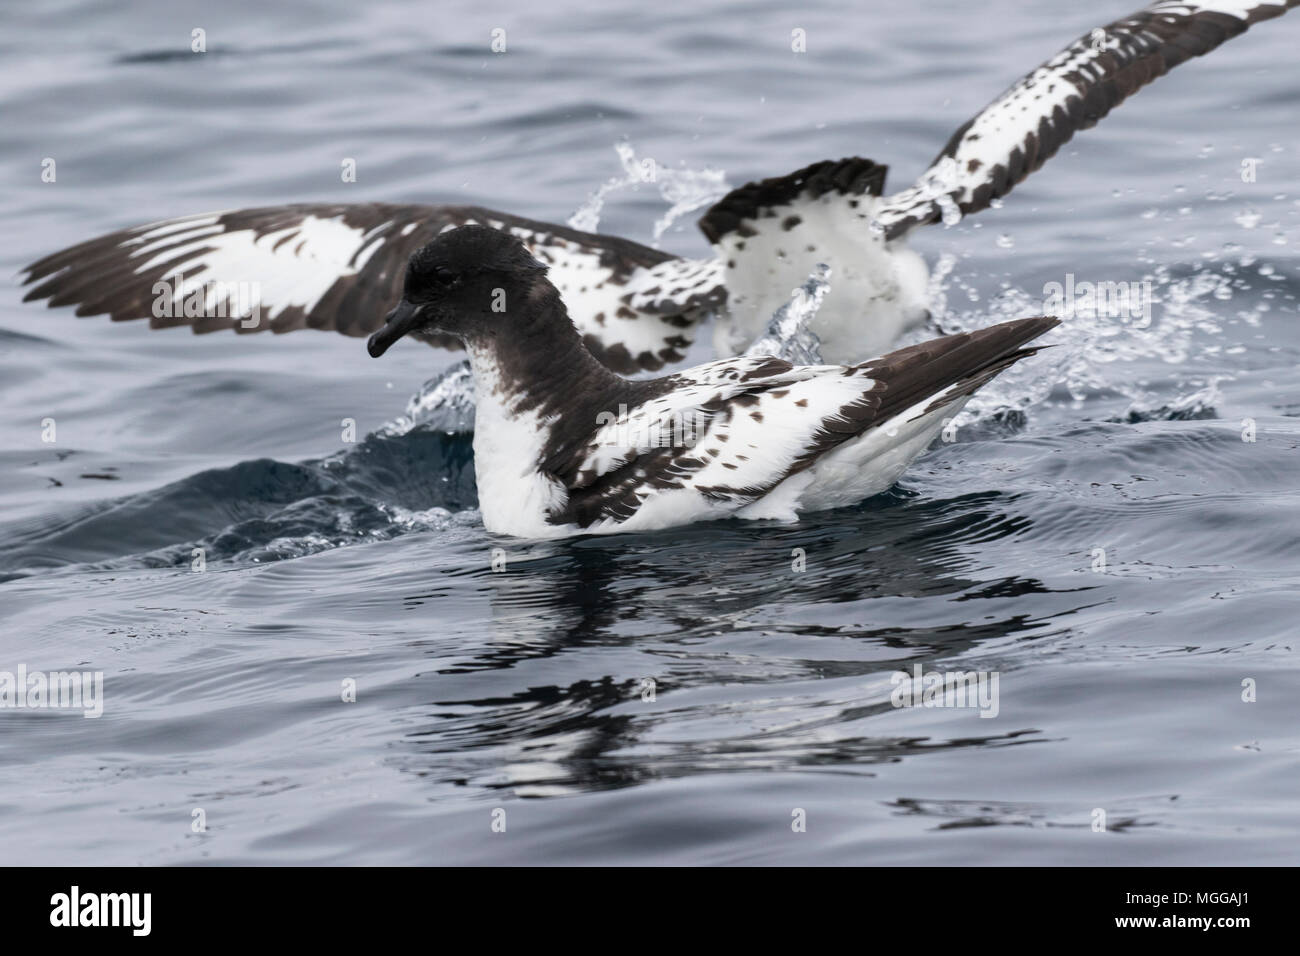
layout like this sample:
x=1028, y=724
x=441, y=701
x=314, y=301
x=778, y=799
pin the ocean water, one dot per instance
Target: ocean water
x=1115, y=533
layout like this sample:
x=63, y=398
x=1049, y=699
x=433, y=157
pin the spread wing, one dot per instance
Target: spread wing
x=1025, y=126
x=340, y=267
x=767, y=235
x=768, y=210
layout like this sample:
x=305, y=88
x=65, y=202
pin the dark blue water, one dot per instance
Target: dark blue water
x=522, y=689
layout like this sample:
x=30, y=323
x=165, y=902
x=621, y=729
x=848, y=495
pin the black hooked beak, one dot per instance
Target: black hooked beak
x=397, y=323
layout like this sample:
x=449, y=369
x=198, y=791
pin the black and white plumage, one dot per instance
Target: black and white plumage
x=563, y=446
x=769, y=234
x=1024, y=127
x=338, y=266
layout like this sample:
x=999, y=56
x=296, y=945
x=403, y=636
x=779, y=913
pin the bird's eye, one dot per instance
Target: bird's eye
x=444, y=276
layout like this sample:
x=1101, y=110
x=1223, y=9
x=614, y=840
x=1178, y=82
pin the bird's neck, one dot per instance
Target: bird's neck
x=543, y=367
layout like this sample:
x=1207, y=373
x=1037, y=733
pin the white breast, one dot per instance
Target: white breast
x=514, y=497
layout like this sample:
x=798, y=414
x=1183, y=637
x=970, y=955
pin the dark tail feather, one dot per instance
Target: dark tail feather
x=968, y=360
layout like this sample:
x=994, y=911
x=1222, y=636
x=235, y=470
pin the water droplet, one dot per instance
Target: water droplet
x=949, y=210
x=1248, y=219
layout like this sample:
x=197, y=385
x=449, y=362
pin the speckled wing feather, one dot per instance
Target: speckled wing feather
x=1025, y=126
x=729, y=432
x=340, y=267
x=770, y=207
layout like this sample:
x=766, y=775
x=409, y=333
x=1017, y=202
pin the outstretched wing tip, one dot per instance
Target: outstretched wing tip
x=1028, y=124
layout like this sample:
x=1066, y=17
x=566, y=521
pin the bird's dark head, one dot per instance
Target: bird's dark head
x=471, y=282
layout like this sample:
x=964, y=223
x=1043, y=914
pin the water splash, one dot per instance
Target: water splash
x=787, y=335
x=1182, y=324
x=688, y=190
x=311, y=526
x=685, y=190
x=444, y=403
x=1199, y=404
x=937, y=186
x=949, y=211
